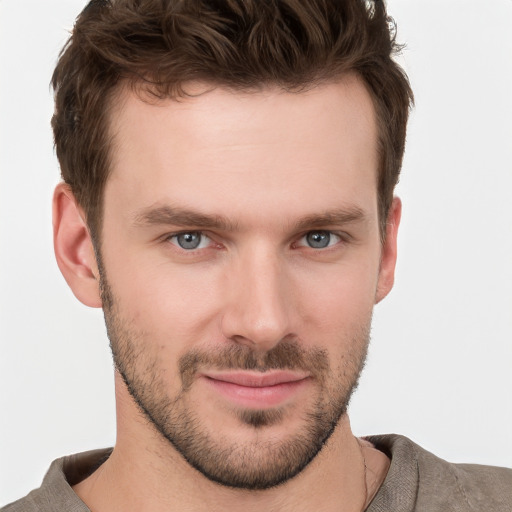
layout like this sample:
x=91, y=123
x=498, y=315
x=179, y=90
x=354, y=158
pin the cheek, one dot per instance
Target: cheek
x=162, y=300
x=341, y=296
x=164, y=314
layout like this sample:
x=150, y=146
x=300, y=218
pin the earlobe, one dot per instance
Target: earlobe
x=74, y=248
x=389, y=251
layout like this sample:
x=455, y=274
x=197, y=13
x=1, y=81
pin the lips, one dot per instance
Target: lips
x=256, y=390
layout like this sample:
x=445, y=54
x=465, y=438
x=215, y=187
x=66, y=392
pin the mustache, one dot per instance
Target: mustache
x=286, y=355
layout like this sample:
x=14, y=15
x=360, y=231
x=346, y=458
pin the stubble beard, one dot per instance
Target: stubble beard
x=255, y=465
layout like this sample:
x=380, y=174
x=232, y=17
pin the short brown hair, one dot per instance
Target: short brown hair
x=241, y=44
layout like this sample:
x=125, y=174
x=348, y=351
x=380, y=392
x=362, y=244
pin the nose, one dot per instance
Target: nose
x=258, y=311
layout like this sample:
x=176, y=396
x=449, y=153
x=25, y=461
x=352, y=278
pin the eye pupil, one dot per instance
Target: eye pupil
x=319, y=239
x=189, y=240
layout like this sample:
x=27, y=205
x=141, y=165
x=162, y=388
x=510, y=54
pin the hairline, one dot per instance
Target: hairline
x=147, y=91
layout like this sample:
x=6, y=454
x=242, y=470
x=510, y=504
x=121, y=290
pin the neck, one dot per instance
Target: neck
x=145, y=473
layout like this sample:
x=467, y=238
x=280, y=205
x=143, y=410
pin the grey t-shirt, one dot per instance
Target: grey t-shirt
x=416, y=481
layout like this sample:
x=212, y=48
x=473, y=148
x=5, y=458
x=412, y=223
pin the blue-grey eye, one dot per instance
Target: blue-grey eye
x=319, y=239
x=190, y=240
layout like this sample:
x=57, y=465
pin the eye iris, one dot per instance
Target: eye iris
x=189, y=240
x=318, y=239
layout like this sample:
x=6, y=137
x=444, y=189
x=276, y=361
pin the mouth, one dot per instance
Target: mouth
x=256, y=390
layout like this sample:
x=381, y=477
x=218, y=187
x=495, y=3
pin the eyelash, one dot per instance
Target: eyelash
x=170, y=237
x=321, y=231
x=343, y=239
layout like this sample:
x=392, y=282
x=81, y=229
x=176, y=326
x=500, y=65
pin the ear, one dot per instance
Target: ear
x=73, y=247
x=389, y=251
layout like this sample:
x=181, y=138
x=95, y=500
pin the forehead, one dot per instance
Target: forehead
x=220, y=144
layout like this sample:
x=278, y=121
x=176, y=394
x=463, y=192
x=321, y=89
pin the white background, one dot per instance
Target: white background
x=440, y=365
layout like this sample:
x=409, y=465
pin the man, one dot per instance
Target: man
x=228, y=200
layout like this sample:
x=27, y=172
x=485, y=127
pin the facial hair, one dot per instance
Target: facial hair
x=254, y=465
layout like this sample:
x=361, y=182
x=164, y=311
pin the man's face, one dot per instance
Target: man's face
x=241, y=262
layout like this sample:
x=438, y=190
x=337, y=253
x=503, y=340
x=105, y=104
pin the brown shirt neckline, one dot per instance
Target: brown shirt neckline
x=416, y=481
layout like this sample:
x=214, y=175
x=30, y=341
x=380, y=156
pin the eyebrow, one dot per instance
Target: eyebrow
x=168, y=215
x=337, y=217
x=183, y=217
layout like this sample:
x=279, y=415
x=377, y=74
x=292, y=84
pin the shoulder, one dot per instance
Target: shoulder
x=25, y=504
x=56, y=491
x=433, y=484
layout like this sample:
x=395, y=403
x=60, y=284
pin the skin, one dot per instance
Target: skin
x=274, y=166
